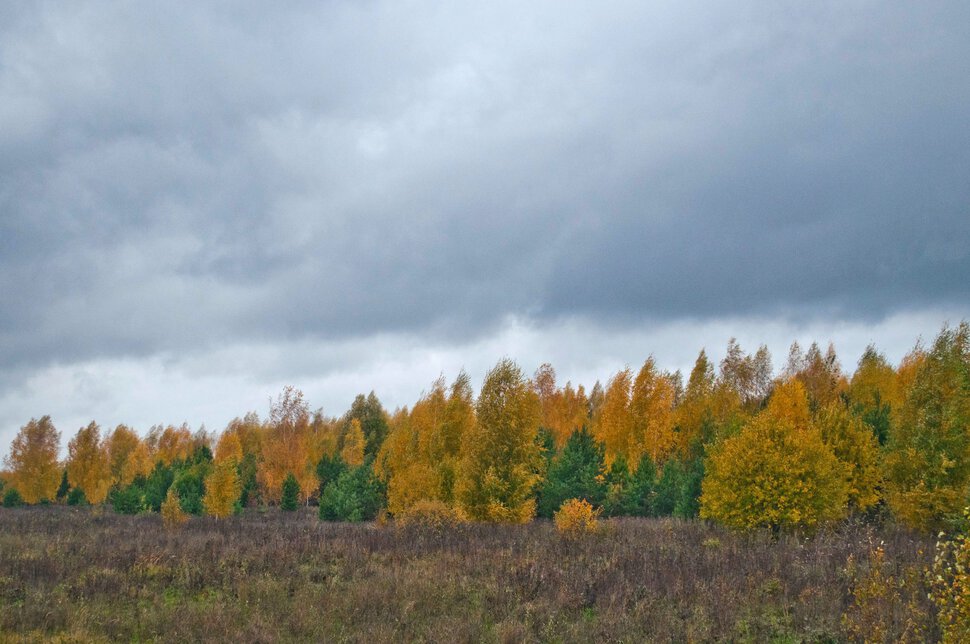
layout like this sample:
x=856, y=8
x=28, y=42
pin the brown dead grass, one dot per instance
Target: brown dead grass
x=268, y=576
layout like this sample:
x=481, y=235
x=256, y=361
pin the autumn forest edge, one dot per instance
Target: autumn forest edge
x=736, y=444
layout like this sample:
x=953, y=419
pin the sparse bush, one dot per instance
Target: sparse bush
x=886, y=600
x=12, y=498
x=950, y=586
x=431, y=514
x=576, y=517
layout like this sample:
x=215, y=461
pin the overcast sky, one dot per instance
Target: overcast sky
x=203, y=202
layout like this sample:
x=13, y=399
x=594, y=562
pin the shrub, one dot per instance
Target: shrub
x=156, y=486
x=291, y=494
x=886, y=600
x=576, y=517
x=76, y=497
x=430, y=513
x=172, y=513
x=950, y=586
x=12, y=498
x=127, y=500
x=189, y=486
x=356, y=495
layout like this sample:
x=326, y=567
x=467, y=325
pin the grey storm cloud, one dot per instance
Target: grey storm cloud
x=179, y=175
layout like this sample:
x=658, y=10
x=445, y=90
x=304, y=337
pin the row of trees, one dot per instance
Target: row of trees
x=736, y=444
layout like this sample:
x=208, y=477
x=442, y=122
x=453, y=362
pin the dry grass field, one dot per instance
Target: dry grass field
x=72, y=574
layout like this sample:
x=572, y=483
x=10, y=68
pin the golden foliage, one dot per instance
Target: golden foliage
x=430, y=513
x=652, y=415
x=615, y=421
x=854, y=444
x=353, y=450
x=172, y=443
x=32, y=460
x=229, y=448
x=906, y=372
x=285, y=447
x=927, y=466
x=222, y=489
x=411, y=484
x=820, y=374
x=874, y=382
x=123, y=447
x=918, y=504
x=250, y=431
x=563, y=409
x=172, y=514
x=695, y=408
x=282, y=455
x=139, y=463
x=500, y=453
x=420, y=457
x=637, y=416
x=88, y=468
x=789, y=401
x=777, y=472
x=322, y=438
x=576, y=517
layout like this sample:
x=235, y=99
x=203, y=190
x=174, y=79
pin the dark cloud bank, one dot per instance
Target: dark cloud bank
x=188, y=175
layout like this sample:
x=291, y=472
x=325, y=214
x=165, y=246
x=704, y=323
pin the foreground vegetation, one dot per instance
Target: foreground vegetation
x=88, y=574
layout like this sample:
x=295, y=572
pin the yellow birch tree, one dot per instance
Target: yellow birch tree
x=32, y=460
x=88, y=468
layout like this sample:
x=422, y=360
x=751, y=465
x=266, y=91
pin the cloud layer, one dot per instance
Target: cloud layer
x=199, y=178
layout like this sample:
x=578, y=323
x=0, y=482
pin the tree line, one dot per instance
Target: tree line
x=736, y=444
